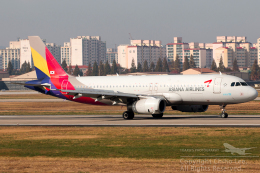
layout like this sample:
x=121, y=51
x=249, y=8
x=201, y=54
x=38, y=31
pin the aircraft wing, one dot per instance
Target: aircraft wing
x=117, y=97
x=97, y=92
x=247, y=148
x=226, y=145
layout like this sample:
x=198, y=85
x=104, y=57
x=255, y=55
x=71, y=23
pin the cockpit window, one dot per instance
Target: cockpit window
x=238, y=84
x=233, y=83
x=243, y=84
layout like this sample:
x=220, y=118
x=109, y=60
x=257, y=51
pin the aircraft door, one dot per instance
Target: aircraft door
x=217, y=86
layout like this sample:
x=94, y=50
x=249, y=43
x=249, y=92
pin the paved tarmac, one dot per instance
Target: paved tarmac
x=18, y=92
x=32, y=100
x=139, y=120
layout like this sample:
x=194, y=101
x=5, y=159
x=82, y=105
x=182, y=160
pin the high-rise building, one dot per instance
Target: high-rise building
x=1, y=62
x=87, y=49
x=111, y=55
x=25, y=52
x=201, y=52
x=140, y=51
x=19, y=52
x=257, y=45
x=231, y=48
x=11, y=53
x=65, y=53
x=253, y=56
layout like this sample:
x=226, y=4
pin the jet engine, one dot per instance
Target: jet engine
x=149, y=105
x=191, y=108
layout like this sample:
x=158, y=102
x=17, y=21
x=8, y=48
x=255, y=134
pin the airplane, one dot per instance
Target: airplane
x=140, y=94
x=232, y=149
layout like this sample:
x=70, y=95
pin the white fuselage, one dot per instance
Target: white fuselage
x=178, y=89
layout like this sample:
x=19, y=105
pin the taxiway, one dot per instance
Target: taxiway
x=139, y=120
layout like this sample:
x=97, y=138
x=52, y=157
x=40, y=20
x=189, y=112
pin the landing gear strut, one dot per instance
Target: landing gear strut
x=223, y=114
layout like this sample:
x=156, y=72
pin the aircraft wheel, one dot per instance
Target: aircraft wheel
x=157, y=115
x=127, y=115
x=224, y=115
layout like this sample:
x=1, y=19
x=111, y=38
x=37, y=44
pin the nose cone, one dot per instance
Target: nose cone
x=252, y=93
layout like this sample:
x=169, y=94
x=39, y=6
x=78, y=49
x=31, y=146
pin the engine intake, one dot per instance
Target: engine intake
x=150, y=105
x=191, y=108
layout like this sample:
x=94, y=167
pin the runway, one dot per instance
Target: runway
x=139, y=120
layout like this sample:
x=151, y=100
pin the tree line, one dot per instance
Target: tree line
x=222, y=68
x=97, y=69
x=255, y=71
x=161, y=66
x=25, y=68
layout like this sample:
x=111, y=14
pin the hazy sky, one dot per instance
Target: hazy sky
x=194, y=20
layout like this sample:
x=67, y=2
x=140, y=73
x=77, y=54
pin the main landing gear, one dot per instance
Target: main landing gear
x=127, y=115
x=223, y=114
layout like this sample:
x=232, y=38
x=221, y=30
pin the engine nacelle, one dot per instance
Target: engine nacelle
x=149, y=105
x=191, y=108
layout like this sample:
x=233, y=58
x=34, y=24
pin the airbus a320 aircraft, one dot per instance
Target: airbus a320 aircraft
x=140, y=94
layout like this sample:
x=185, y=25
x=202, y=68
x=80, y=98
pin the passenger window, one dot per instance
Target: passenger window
x=238, y=84
x=233, y=84
x=243, y=84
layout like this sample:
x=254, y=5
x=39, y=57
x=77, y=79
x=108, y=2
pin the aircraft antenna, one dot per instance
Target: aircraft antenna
x=220, y=73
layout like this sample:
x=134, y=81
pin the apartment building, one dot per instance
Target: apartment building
x=202, y=53
x=234, y=47
x=257, y=46
x=66, y=53
x=140, y=51
x=20, y=51
x=253, y=56
x=13, y=53
x=87, y=49
x=111, y=55
x=1, y=62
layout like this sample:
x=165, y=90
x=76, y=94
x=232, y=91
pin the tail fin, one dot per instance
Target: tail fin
x=44, y=62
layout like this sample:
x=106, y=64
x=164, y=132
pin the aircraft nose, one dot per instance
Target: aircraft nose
x=252, y=93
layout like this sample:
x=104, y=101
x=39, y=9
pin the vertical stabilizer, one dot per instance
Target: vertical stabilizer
x=44, y=62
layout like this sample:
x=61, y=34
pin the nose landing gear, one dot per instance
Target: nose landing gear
x=223, y=114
